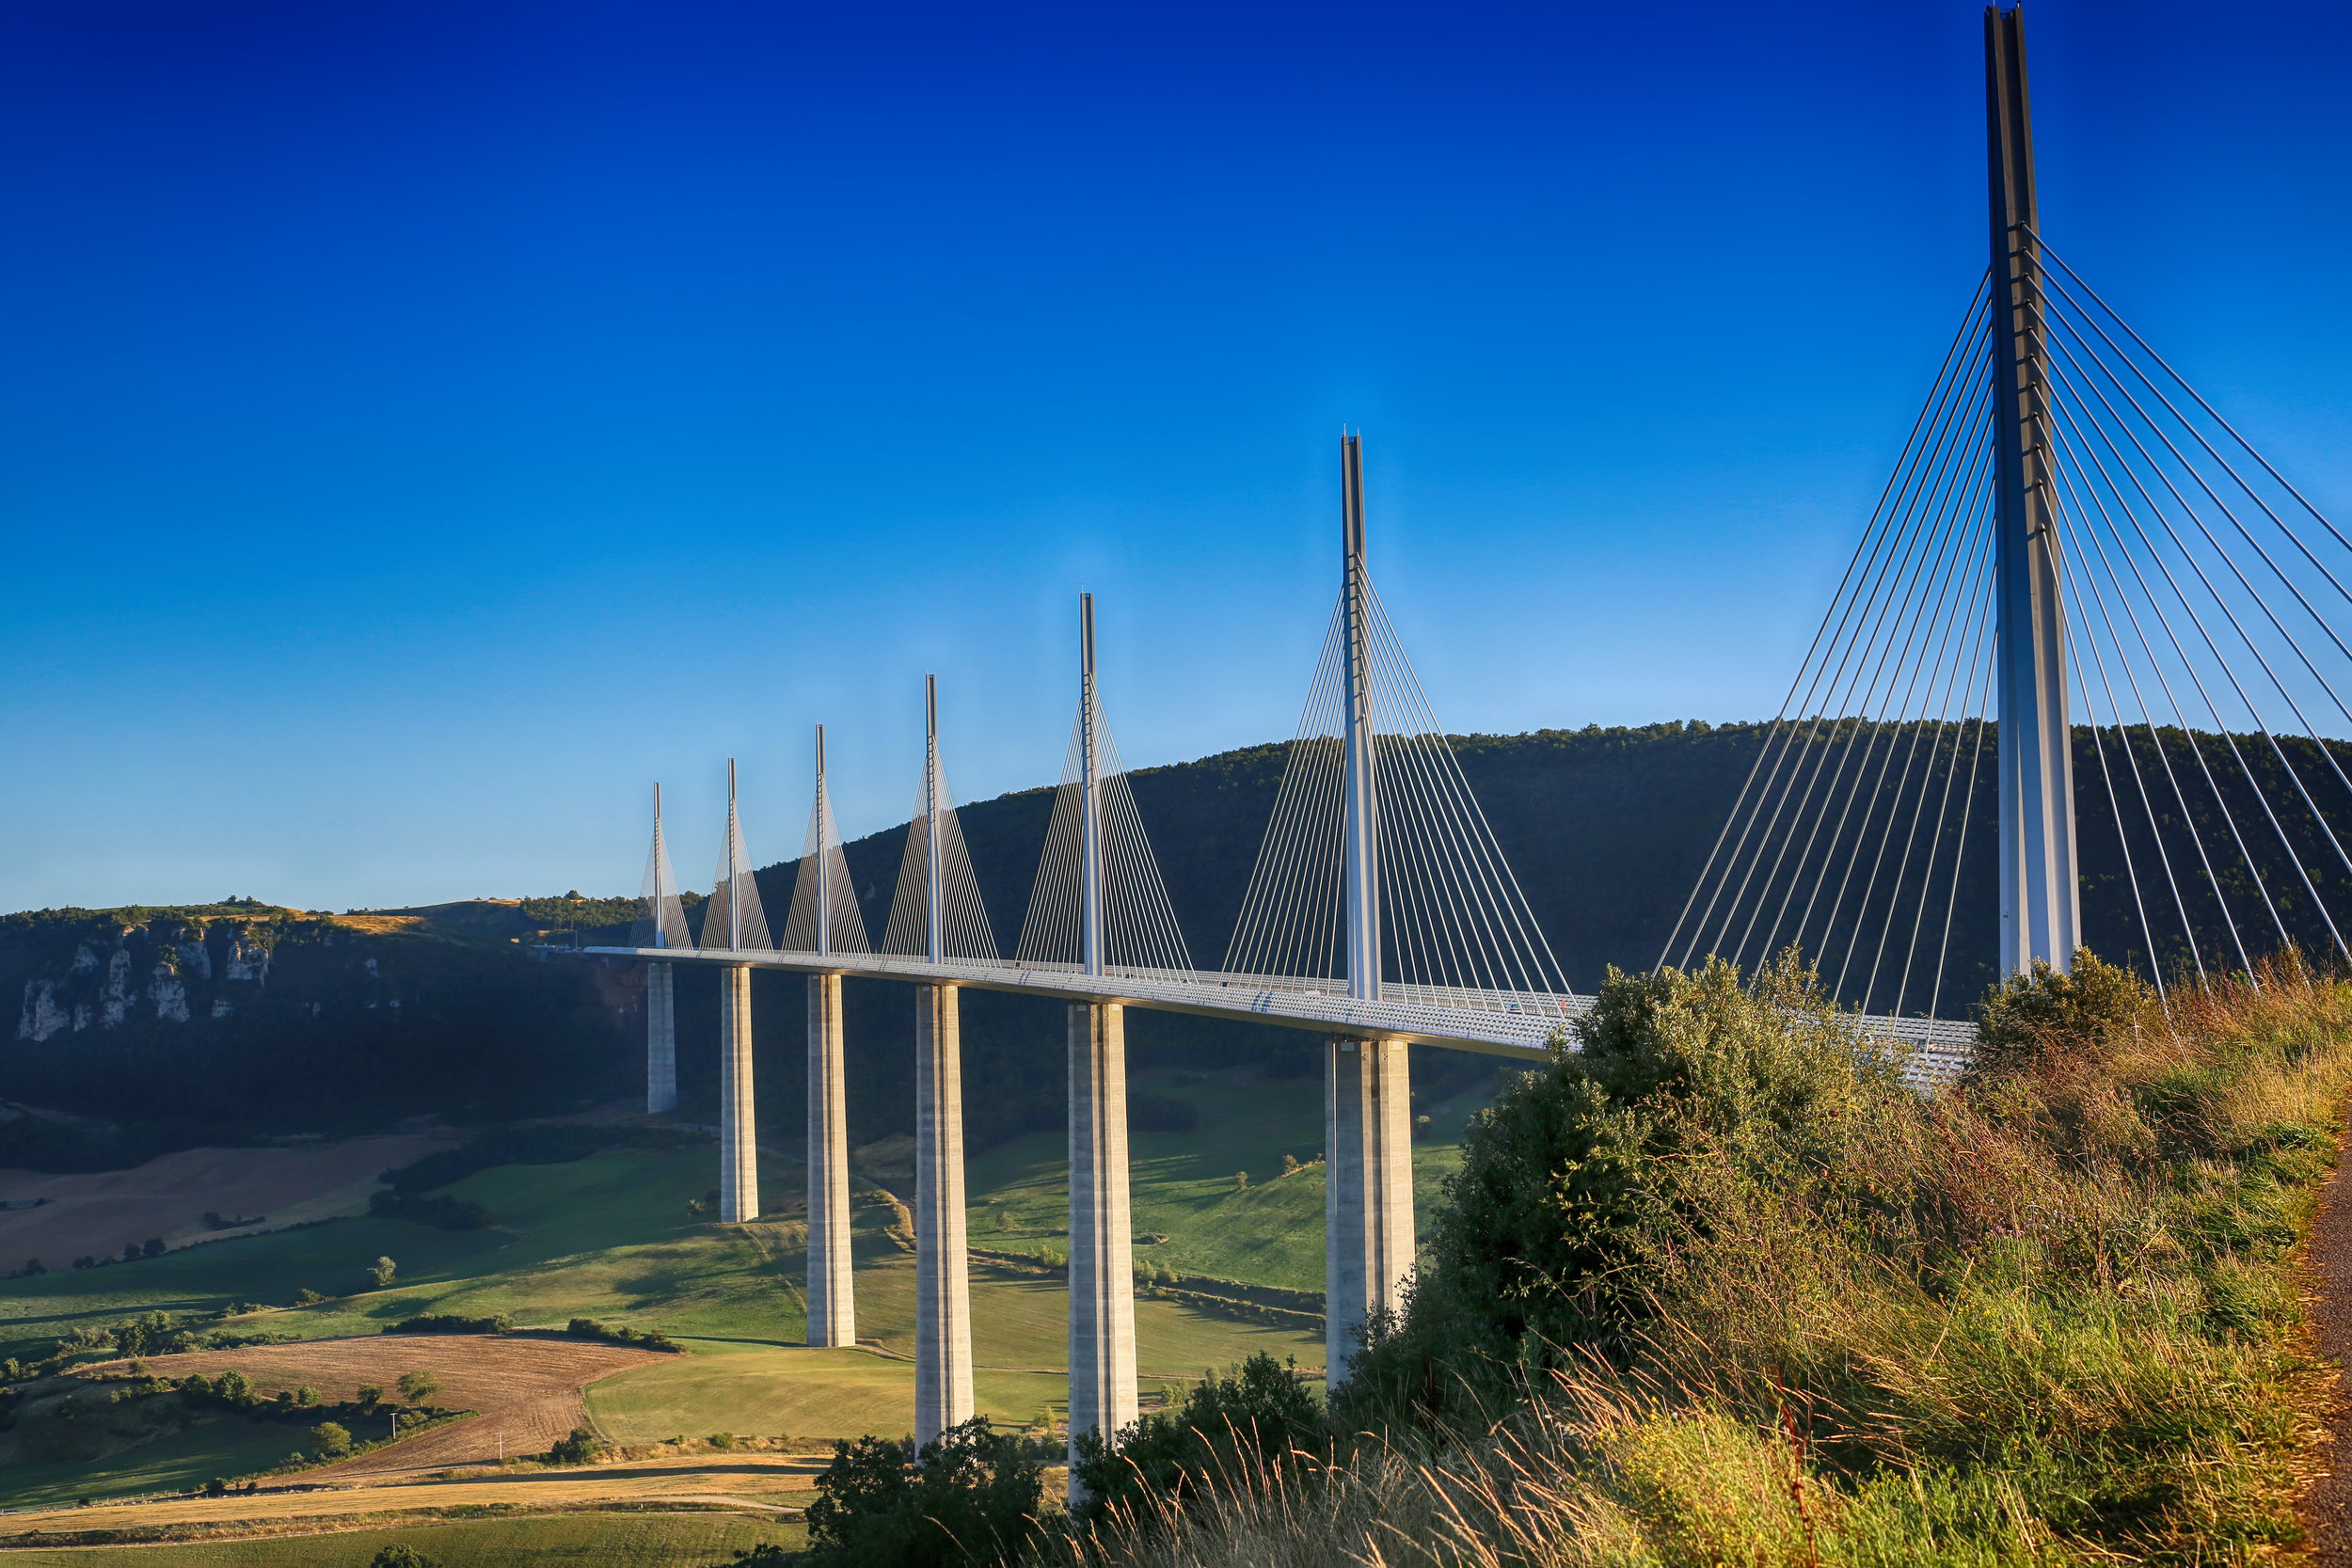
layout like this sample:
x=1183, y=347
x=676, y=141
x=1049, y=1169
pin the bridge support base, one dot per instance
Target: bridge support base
x=942, y=1292
x=660, y=1041
x=1368, y=1191
x=832, y=1310
x=738, y=1120
x=1102, y=1234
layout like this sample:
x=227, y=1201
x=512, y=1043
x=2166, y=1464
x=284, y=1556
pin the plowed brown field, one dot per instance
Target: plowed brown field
x=167, y=1196
x=527, y=1390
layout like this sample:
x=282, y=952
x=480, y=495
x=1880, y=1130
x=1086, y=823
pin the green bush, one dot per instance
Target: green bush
x=1246, y=1426
x=330, y=1440
x=583, y=1446
x=449, y=1323
x=968, y=1497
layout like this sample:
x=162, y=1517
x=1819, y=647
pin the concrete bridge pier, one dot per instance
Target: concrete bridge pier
x=739, y=1122
x=1102, y=1258
x=832, y=1312
x=1368, y=1191
x=660, y=1041
x=943, y=1290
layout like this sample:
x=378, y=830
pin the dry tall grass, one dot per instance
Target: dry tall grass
x=2051, y=1317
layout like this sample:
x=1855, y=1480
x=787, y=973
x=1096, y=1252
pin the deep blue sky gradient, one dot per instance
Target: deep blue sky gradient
x=426, y=424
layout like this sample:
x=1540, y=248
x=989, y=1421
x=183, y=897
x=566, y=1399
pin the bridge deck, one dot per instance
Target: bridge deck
x=1498, y=1023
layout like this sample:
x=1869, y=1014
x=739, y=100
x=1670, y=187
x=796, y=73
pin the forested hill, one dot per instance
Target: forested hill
x=187, y=1026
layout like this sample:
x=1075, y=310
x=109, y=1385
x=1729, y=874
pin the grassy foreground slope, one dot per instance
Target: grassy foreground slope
x=1718, y=1289
x=574, y=1539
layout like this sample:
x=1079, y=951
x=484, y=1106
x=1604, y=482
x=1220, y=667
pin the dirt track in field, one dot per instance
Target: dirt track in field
x=527, y=1390
x=167, y=1196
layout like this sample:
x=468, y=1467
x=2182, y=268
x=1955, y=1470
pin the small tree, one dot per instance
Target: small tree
x=330, y=1440
x=131, y=1252
x=306, y=1395
x=583, y=1446
x=153, y=1246
x=401, y=1554
x=34, y=1266
x=369, y=1395
x=1241, y=1182
x=419, y=1386
x=232, y=1386
x=969, y=1497
x=382, y=1271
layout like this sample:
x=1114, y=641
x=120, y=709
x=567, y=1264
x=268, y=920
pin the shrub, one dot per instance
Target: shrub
x=329, y=1440
x=1242, y=1426
x=308, y=1297
x=583, y=1446
x=401, y=1554
x=417, y=1387
x=382, y=1273
x=446, y=1322
x=616, y=1334
x=968, y=1497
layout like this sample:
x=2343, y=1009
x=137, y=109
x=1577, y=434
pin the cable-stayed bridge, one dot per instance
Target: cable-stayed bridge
x=2088, y=626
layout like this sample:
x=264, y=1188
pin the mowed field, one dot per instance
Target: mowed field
x=611, y=1237
x=95, y=1214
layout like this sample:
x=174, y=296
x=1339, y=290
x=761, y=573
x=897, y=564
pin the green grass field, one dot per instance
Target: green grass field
x=573, y=1540
x=611, y=1237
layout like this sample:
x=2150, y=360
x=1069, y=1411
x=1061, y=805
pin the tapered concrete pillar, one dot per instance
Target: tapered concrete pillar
x=738, y=1124
x=1101, y=1238
x=942, y=1292
x=660, y=1041
x=1368, y=1191
x=832, y=1313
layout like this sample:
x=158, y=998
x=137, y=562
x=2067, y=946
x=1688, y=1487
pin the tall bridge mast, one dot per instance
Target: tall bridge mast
x=2041, y=904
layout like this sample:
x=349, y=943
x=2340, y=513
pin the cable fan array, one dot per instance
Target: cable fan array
x=733, y=918
x=964, y=934
x=1452, y=915
x=1139, y=930
x=820, y=882
x=2196, y=586
x=662, y=922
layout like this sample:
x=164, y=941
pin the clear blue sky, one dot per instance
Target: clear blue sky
x=426, y=424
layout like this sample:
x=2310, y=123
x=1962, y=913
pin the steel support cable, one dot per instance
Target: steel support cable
x=1926, y=609
x=1503, y=896
x=1850, y=635
x=1973, y=323
x=1277, y=878
x=1310, y=854
x=1903, y=595
x=1967, y=606
x=1413, y=891
x=1938, y=599
x=1980, y=597
x=1480, y=872
x=1301, y=905
x=2155, y=739
x=1959, y=850
x=2188, y=668
x=1048, y=933
x=1855, y=643
x=1419, y=889
x=1156, y=936
x=2063, y=573
x=2250, y=449
x=2072, y=585
x=1981, y=637
x=2222, y=603
x=2155, y=667
x=1450, y=911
